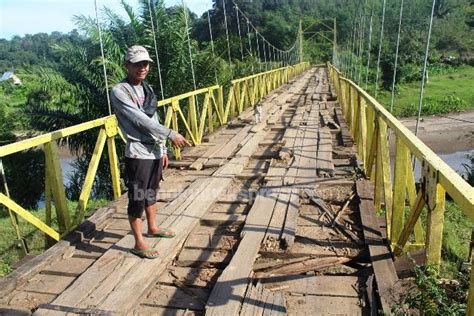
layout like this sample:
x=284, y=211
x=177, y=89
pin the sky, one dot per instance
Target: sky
x=20, y=17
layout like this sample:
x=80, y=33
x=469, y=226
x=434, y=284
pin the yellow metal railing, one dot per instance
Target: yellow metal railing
x=197, y=112
x=369, y=124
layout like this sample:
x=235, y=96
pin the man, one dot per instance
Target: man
x=145, y=153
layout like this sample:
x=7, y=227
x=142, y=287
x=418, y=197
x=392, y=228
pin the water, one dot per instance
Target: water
x=67, y=168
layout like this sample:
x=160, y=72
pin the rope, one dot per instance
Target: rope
x=103, y=57
x=369, y=45
x=396, y=57
x=425, y=63
x=156, y=50
x=240, y=36
x=380, y=50
x=226, y=33
x=212, y=44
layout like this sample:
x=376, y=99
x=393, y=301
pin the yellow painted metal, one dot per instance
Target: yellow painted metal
x=461, y=192
x=387, y=176
x=55, y=174
x=114, y=167
x=372, y=152
x=470, y=298
x=250, y=90
x=90, y=176
x=370, y=133
x=411, y=191
x=46, y=138
x=28, y=216
x=399, y=190
x=362, y=143
x=414, y=216
x=445, y=181
x=193, y=122
x=435, y=226
x=379, y=181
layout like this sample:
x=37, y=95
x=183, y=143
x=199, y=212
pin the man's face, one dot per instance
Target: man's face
x=137, y=71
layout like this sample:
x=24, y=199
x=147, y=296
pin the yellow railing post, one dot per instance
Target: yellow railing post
x=54, y=172
x=90, y=176
x=399, y=190
x=435, y=197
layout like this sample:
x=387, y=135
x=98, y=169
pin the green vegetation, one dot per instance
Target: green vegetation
x=446, y=92
x=10, y=251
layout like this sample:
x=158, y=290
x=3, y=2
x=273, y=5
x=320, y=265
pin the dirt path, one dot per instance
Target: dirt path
x=445, y=134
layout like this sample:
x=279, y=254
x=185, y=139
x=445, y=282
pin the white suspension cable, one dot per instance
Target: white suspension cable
x=258, y=52
x=250, y=44
x=425, y=64
x=396, y=57
x=362, y=43
x=156, y=50
x=369, y=46
x=189, y=44
x=380, y=50
x=264, y=53
x=227, y=34
x=240, y=36
x=103, y=58
x=212, y=44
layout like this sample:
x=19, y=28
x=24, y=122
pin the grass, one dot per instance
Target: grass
x=10, y=252
x=456, y=240
x=446, y=92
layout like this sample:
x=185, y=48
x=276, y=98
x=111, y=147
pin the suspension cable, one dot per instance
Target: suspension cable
x=212, y=44
x=250, y=45
x=362, y=43
x=369, y=46
x=227, y=33
x=425, y=63
x=258, y=53
x=156, y=50
x=380, y=50
x=240, y=36
x=396, y=57
x=189, y=44
x=103, y=58
x=264, y=53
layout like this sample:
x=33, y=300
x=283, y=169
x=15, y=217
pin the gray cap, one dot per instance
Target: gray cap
x=136, y=54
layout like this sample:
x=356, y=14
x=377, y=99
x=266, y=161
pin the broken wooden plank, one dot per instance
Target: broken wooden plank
x=225, y=298
x=302, y=267
x=382, y=263
x=289, y=228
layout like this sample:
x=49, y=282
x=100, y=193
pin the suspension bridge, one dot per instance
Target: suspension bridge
x=278, y=217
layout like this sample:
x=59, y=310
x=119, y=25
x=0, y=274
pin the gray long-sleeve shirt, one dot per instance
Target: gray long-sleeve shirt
x=145, y=136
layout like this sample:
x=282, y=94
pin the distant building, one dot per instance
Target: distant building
x=10, y=75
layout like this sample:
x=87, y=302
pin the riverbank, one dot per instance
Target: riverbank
x=445, y=134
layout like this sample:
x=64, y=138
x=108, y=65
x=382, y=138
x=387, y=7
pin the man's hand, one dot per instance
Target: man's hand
x=165, y=160
x=180, y=141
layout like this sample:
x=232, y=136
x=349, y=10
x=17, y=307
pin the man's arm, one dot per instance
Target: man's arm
x=125, y=106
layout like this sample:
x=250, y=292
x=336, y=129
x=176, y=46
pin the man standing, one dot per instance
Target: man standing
x=135, y=107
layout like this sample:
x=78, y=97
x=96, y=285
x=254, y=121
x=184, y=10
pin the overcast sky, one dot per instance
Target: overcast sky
x=20, y=17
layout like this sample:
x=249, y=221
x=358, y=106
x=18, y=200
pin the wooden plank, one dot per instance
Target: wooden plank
x=225, y=298
x=272, y=236
x=302, y=267
x=324, y=164
x=331, y=285
x=228, y=149
x=203, y=258
x=289, y=229
x=193, y=277
x=173, y=297
x=323, y=305
x=100, y=271
x=382, y=264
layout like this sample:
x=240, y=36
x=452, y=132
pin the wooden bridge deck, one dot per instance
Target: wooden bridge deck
x=270, y=219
